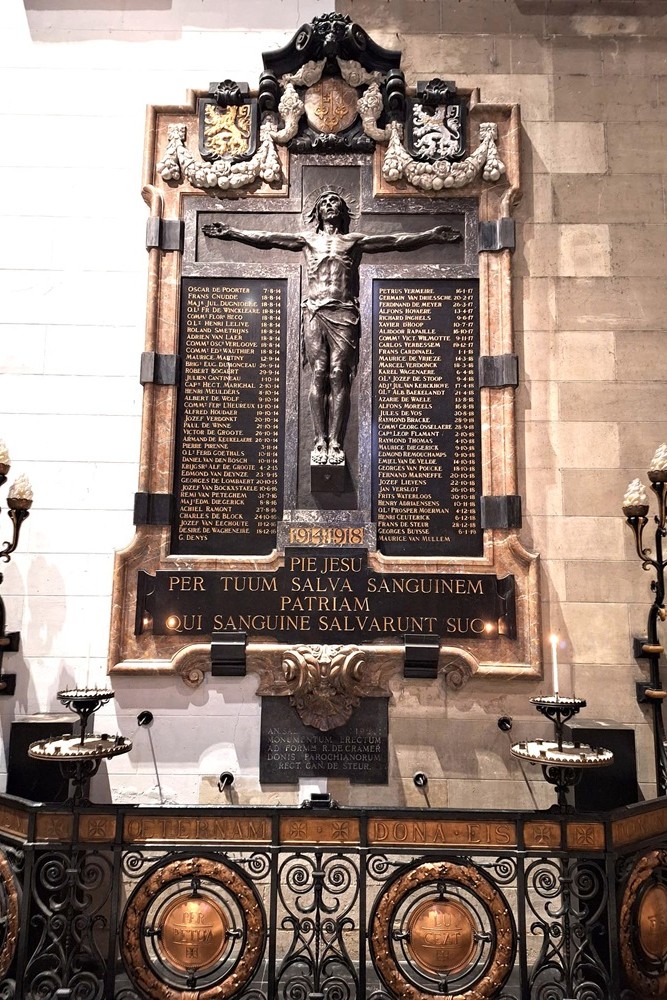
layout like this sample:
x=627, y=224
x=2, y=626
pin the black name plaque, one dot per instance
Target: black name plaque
x=427, y=426
x=323, y=596
x=229, y=439
x=289, y=750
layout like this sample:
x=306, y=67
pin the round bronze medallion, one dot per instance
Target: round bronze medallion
x=172, y=932
x=652, y=920
x=9, y=914
x=193, y=933
x=642, y=927
x=442, y=936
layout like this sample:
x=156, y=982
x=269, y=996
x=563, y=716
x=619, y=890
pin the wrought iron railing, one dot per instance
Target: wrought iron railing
x=309, y=904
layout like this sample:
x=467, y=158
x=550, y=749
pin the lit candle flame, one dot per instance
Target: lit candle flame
x=20, y=493
x=659, y=460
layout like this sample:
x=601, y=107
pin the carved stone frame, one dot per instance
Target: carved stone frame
x=503, y=551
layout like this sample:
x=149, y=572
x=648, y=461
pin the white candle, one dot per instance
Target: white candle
x=553, y=639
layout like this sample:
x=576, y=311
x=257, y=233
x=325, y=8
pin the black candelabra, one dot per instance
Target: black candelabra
x=563, y=763
x=19, y=502
x=79, y=757
x=648, y=647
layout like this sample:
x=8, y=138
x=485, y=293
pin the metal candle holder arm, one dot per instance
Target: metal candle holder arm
x=636, y=508
x=79, y=757
x=19, y=502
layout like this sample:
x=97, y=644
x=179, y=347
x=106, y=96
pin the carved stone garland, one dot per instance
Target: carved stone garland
x=179, y=164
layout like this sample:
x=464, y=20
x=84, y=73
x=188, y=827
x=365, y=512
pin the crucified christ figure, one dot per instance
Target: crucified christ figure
x=330, y=310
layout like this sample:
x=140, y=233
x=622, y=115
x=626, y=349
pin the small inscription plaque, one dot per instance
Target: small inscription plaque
x=289, y=750
x=229, y=416
x=426, y=340
x=221, y=830
x=442, y=832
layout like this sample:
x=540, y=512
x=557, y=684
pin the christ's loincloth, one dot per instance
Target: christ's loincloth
x=335, y=324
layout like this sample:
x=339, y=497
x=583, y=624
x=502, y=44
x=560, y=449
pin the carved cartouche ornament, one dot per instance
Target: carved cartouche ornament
x=325, y=683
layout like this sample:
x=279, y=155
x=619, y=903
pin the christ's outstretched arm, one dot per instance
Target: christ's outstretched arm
x=408, y=241
x=255, y=238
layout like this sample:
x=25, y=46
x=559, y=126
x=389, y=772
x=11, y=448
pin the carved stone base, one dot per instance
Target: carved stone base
x=327, y=478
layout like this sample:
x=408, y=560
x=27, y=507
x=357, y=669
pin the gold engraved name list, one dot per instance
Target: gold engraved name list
x=229, y=416
x=426, y=341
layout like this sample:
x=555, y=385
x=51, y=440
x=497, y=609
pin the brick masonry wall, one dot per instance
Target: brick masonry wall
x=590, y=303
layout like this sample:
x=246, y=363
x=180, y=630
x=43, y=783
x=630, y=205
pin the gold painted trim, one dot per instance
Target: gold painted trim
x=445, y=833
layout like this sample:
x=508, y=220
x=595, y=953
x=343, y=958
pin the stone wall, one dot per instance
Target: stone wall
x=590, y=298
x=590, y=301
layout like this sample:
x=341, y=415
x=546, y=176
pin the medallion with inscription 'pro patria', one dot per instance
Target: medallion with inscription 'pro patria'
x=193, y=933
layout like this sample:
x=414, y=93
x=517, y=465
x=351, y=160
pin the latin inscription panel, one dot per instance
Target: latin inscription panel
x=228, y=450
x=427, y=426
x=289, y=750
x=324, y=596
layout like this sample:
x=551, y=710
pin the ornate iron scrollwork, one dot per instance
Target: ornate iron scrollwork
x=442, y=928
x=69, y=900
x=193, y=925
x=318, y=894
x=568, y=900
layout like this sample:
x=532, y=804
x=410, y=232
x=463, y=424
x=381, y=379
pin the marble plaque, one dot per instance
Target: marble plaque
x=289, y=750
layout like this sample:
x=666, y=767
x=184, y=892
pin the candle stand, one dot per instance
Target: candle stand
x=649, y=647
x=19, y=502
x=563, y=763
x=79, y=757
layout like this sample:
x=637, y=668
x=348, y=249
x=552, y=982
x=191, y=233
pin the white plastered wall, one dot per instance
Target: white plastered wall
x=75, y=79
